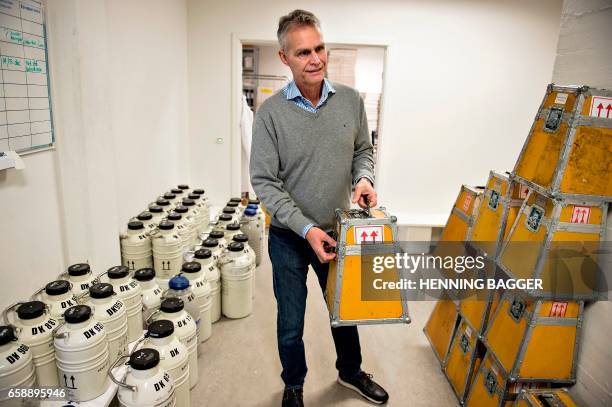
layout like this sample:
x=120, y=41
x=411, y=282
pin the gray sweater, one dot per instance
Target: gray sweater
x=303, y=163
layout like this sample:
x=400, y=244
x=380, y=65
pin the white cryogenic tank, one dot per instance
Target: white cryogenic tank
x=151, y=292
x=16, y=366
x=201, y=290
x=233, y=210
x=213, y=275
x=252, y=227
x=188, y=219
x=58, y=297
x=174, y=357
x=158, y=215
x=244, y=239
x=146, y=384
x=36, y=331
x=81, y=277
x=128, y=290
x=231, y=229
x=136, y=251
x=203, y=218
x=185, y=188
x=180, y=287
x=112, y=313
x=221, y=222
x=164, y=204
x=219, y=236
x=167, y=252
x=173, y=310
x=193, y=214
x=146, y=218
x=236, y=286
x=81, y=349
x=181, y=227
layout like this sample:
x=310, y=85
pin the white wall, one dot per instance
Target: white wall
x=121, y=128
x=584, y=57
x=464, y=80
x=270, y=63
x=369, y=69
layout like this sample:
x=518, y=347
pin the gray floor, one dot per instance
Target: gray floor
x=239, y=365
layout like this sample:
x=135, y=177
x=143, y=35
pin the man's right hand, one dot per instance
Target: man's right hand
x=316, y=237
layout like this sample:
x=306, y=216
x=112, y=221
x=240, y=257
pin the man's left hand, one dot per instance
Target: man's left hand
x=364, y=188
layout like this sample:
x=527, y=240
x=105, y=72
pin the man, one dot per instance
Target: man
x=310, y=144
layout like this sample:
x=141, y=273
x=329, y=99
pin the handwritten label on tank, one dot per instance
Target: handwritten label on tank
x=580, y=214
x=558, y=309
x=47, y=326
x=14, y=357
x=114, y=308
x=600, y=107
x=369, y=234
x=93, y=331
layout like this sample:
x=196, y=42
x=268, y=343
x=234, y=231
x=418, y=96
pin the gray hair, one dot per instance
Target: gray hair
x=297, y=18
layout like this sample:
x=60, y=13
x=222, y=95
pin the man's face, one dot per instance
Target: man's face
x=305, y=55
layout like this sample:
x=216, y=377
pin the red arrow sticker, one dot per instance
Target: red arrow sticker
x=369, y=234
x=601, y=107
x=580, y=214
x=558, y=309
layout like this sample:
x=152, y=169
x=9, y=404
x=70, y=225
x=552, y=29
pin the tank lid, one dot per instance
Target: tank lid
x=176, y=191
x=145, y=215
x=116, y=272
x=79, y=269
x=232, y=226
x=165, y=225
x=31, y=310
x=198, y=191
x=160, y=329
x=135, y=225
x=101, y=290
x=254, y=201
x=229, y=209
x=174, y=216
x=231, y=204
x=202, y=253
x=235, y=199
x=191, y=267
x=178, y=283
x=155, y=208
x=145, y=274
x=252, y=206
x=193, y=196
x=162, y=202
x=169, y=195
x=250, y=212
x=77, y=314
x=235, y=247
x=7, y=334
x=210, y=242
x=180, y=209
x=183, y=186
x=216, y=234
x=241, y=237
x=144, y=359
x=57, y=287
x=188, y=201
x=172, y=305
x=225, y=217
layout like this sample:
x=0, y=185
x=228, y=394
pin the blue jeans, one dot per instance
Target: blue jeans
x=291, y=255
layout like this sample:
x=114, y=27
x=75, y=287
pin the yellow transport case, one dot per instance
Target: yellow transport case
x=568, y=148
x=478, y=312
x=464, y=357
x=544, y=398
x=536, y=341
x=556, y=241
x=344, y=283
x=492, y=388
x=443, y=320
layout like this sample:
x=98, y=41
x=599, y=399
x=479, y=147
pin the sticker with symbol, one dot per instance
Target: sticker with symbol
x=600, y=107
x=523, y=191
x=369, y=234
x=466, y=203
x=580, y=214
x=558, y=309
x=70, y=380
x=534, y=219
x=493, y=199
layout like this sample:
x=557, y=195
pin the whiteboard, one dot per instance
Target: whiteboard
x=25, y=108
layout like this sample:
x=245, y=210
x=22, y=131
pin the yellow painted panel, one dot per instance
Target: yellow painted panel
x=478, y=395
x=549, y=353
x=459, y=364
x=455, y=229
x=439, y=328
x=504, y=335
x=541, y=154
x=519, y=259
x=352, y=307
x=330, y=290
x=590, y=163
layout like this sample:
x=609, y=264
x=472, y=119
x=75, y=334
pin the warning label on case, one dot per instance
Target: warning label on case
x=369, y=234
x=600, y=107
x=580, y=214
x=558, y=309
